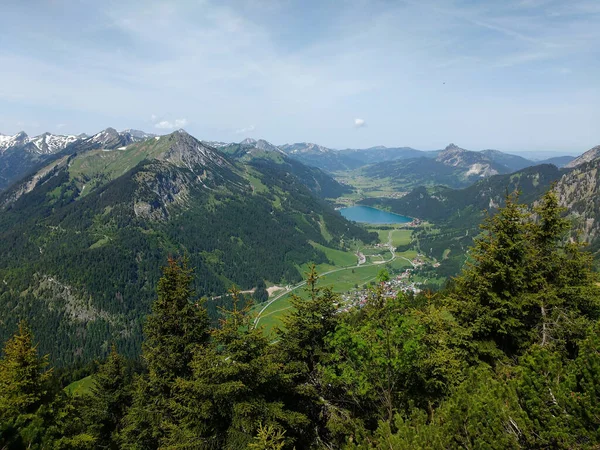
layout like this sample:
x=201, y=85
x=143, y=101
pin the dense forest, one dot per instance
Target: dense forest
x=506, y=357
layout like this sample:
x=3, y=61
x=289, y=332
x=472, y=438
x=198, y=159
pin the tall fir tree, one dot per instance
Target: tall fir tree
x=24, y=388
x=109, y=398
x=174, y=332
x=301, y=347
x=528, y=283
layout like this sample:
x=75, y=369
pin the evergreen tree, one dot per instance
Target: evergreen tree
x=24, y=387
x=108, y=400
x=174, y=331
x=302, y=348
x=487, y=297
x=527, y=283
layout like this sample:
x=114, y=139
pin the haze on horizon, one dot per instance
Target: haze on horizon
x=520, y=75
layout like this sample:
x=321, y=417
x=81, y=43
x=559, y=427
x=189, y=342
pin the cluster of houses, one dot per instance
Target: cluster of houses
x=400, y=283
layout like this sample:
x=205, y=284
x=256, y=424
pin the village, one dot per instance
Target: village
x=397, y=283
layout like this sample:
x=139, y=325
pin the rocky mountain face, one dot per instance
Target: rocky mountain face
x=588, y=156
x=475, y=163
x=579, y=192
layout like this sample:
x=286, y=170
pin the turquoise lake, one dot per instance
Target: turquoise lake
x=366, y=214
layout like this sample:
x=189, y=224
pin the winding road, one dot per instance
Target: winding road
x=299, y=285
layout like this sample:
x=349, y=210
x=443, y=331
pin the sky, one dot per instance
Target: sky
x=513, y=75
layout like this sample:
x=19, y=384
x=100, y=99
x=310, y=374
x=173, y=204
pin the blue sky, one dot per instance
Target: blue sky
x=511, y=75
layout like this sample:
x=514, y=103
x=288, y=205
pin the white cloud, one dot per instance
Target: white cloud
x=167, y=125
x=180, y=123
x=245, y=130
x=359, y=123
x=154, y=117
x=61, y=125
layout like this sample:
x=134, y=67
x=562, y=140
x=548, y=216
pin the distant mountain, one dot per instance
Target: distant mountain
x=138, y=134
x=305, y=148
x=512, y=162
x=453, y=167
x=263, y=154
x=588, y=156
x=82, y=240
x=43, y=144
x=558, y=161
x=477, y=164
x=19, y=154
x=333, y=160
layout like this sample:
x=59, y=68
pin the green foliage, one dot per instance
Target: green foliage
x=508, y=356
x=108, y=400
x=233, y=390
x=527, y=283
x=388, y=356
x=301, y=348
x=268, y=438
x=174, y=331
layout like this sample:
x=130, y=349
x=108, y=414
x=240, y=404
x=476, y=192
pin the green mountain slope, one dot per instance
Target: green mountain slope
x=82, y=241
x=265, y=155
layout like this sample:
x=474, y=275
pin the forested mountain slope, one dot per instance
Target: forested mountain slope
x=264, y=154
x=459, y=212
x=82, y=240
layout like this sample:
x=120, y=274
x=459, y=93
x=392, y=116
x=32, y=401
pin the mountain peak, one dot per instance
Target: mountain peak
x=590, y=155
x=452, y=147
x=248, y=141
x=138, y=134
x=185, y=150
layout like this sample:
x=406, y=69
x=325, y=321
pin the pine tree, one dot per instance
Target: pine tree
x=527, y=283
x=24, y=387
x=301, y=348
x=109, y=398
x=487, y=297
x=174, y=331
x=563, y=284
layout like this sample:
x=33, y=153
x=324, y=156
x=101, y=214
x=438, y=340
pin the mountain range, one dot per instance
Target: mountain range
x=82, y=238
x=458, y=212
x=349, y=159
x=87, y=221
x=21, y=154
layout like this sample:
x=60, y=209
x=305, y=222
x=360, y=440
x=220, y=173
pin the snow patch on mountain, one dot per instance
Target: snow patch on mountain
x=46, y=143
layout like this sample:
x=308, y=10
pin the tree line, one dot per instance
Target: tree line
x=506, y=357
